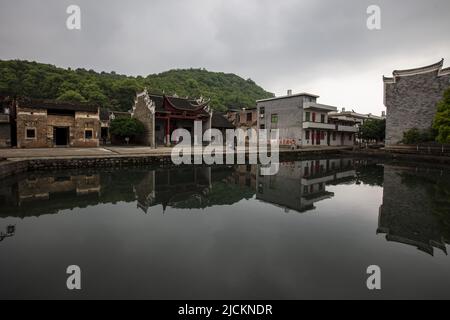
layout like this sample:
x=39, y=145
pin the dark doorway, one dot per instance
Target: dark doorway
x=105, y=135
x=61, y=136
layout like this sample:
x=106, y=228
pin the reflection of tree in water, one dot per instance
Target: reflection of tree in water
x=370, y=174
x=10, y=232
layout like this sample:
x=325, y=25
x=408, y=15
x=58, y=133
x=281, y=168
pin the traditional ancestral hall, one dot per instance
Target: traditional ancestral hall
x=411, y=98
x=48, y=123
x=302, y=121
x=162, y=114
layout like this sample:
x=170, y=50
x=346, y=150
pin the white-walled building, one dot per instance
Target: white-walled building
x=303, y=122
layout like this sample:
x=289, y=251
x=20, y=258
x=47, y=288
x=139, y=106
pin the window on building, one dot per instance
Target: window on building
x=263, y=126
x=306, y=172
x=350, y=137
x=249, y=117
x=305, y=190
x=274, y=120
x=262, y=110
x=313, y=117
x=322, y=135
x=322, y=118
x=308, y=135
x=89, y=134
x=30, y=133
x=308, y=116
x=334, y=136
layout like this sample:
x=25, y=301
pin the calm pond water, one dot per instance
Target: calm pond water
x=228, y=233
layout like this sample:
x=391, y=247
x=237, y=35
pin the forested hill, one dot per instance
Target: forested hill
x=37, y=80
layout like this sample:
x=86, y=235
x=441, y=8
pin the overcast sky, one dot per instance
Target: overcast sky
x=317, y=46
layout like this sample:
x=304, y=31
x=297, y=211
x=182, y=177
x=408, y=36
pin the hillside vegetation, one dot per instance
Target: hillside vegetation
x=117, y=92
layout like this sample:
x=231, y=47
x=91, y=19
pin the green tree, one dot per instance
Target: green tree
x=442, y=119
x=373, y=129
x=415, y=136
x=117, y=91
x=126, y=127
x=71, y=96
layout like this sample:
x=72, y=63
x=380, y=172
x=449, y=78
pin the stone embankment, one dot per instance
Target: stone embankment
x=30, y=163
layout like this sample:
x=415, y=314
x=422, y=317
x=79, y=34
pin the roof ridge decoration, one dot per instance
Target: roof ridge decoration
x=149, y=103
x=196, y=107
x=444, y=72
x=416, y=71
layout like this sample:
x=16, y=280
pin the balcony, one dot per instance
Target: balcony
x=347, y=129
x=4, y=118
x=318, y=125
x=317, y=106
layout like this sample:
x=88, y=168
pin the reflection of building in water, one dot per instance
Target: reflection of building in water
x=183, y=188
x=298, y=185
x=10, y=232
x=245, y=175
x=195, y=187
x=407, y=215
x=173, y=187
x=49, y=193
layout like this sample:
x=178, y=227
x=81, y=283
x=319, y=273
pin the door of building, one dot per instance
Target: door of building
x=61, y=136
x=318, y=137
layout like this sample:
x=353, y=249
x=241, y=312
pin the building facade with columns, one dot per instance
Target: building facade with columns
x=162, y=115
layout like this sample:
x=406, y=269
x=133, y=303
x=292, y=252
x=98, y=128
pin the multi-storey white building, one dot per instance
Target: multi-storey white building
x=302, y=121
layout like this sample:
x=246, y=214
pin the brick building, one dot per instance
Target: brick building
x=46, y=124
x=411, y=98
x=244, y=118
x=5, y=122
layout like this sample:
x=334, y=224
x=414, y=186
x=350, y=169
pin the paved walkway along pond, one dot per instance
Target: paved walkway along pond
x=227, y=232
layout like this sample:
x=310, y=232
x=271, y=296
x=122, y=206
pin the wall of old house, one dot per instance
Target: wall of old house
x=32, y=119
x=412, y=103
x=5, y=135
x=144, y=114
x=44, y=124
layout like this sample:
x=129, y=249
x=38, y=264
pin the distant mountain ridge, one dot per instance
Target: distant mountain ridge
x=117, y=92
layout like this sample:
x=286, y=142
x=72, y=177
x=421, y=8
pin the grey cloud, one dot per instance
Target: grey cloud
x=280, y=44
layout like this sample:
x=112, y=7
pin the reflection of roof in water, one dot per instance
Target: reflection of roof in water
x=40, y=193
x=411, y=209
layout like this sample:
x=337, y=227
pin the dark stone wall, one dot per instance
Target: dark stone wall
x=5, y=135
x=411, y=103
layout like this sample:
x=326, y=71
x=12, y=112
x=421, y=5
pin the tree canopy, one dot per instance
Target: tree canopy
x=126, y=127
x=373, y=129
x=117, y=92
x=442, y=119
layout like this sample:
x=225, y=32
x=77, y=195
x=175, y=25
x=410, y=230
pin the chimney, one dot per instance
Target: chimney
x=343, y=109
x=289, y=92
